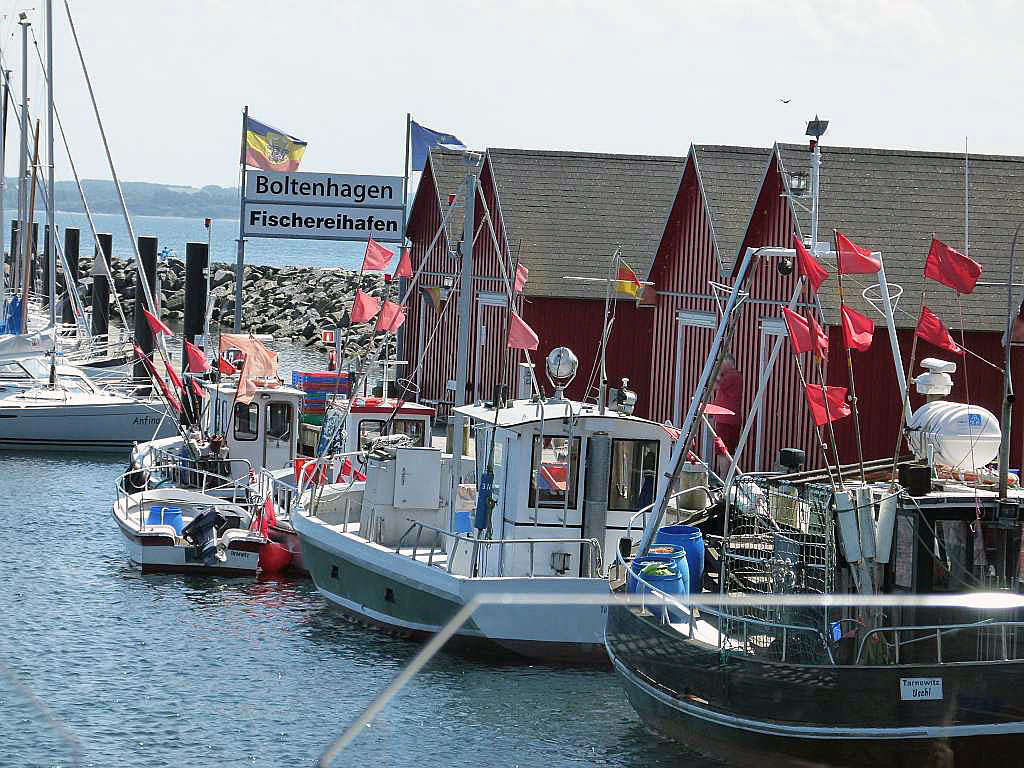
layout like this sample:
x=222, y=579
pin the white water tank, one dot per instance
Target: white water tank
x=963, y=437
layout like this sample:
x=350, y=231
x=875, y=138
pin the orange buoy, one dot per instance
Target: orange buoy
x=274, y=558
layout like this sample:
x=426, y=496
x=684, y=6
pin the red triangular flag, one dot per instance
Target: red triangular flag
x=854, y=260
x=173, y=376
x=197, y=388
x=404, y=265
x=225, y=366
x=805, y=335
x=951, y=268
x=364, y=308
x=858, y=330
x=809, y=266
x=155, y=324
x=155, y=375
x=836, y=408
x=520, y=335
x=197, y=362
x=930, y=328
x=522, y=273
x=377, y=257
x=391, y=317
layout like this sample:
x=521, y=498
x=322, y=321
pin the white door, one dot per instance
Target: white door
x=694, y=333
x=278, y=434
x=772, y=328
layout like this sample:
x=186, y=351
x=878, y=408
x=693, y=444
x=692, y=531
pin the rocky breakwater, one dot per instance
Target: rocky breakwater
x=290, y=303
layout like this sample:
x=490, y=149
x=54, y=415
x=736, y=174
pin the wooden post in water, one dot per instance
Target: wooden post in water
x=67, y=315
x=101, y=286
x=143, y=333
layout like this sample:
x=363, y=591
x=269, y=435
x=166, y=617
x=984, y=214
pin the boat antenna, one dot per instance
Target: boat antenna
x=1008, y=396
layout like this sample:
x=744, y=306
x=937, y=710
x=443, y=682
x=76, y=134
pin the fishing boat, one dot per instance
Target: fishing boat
x=846, y=616
x=49, y=406
x=176, y=530
x=557, y=483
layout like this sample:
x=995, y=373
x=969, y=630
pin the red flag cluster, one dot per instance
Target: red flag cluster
x=365, y=307
x=155, y=375
x=377, y=257
x=391, y=317
x=852, y=258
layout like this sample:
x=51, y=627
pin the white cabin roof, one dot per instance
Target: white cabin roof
x=519, y=412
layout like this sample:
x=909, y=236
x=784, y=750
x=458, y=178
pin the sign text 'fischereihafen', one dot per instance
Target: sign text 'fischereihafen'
x=337, y=189
x=323, y=222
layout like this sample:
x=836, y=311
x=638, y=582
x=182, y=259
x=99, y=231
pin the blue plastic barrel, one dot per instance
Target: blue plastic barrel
x=676, y=583
x=692, y=540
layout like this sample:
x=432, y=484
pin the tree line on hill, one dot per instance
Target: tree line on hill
x=143, y=198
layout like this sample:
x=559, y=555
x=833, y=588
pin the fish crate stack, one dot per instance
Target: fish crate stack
x=319, y=387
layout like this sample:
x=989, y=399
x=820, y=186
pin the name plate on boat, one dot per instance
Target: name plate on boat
x=921, y=688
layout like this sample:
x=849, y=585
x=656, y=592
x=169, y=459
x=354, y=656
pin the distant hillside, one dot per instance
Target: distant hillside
x=143, y=198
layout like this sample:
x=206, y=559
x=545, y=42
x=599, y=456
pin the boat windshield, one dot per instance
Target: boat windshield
x=371, y=429
x=553, y=472
x=29, y=368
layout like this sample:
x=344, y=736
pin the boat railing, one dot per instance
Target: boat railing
x=207, y=482
x=184, y=469
x=479, y=548
x=998, y=638
x=642, y=512
x=765, y=640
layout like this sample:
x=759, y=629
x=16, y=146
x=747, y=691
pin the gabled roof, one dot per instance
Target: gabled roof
x=893, y=201
x=572, y=209
x=448, y=169
x=730, y=179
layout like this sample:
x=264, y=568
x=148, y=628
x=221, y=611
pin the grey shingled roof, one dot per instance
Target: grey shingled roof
x=730, y=179
x=894, y=200
x=571, y=209
x=449, y=170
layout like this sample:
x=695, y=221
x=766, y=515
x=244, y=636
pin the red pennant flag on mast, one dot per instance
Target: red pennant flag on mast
x=391, y=317
x=520, y=335
x=951, y=268
x=831, y=406
x=197, y=362
x=858, y=330
x=377, y=257
x=225, y=366
x=805, y=335
x=931, y=329
x=809, y=266
x=364, y=308
x=854, y=260
x=174, y=377
x=156, y=325
x=522, y=273
x=404, y=265
x=155, y=375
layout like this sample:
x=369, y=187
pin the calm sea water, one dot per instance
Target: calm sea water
x=173, y=670
x=173, y=233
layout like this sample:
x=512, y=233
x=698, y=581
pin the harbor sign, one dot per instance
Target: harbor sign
x=322, y=206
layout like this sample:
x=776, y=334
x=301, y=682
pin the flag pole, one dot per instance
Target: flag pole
x=405, y=171
x=240, y=263
x=602, y=387
x=849, y=368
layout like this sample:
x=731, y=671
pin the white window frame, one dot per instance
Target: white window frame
x=771, y=328
x=686, y=318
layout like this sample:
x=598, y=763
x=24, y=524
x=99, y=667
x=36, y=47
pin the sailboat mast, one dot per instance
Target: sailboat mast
x=24, y=229
x=52, y=250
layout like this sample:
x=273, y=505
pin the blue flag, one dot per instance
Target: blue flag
x=423, y=139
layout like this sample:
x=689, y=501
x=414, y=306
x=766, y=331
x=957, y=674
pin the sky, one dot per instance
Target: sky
x=172, y=77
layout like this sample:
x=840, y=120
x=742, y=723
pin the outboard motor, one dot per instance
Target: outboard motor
x=202, y=534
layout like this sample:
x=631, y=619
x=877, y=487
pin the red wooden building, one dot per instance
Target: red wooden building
x=561, y=214
x=891, y=201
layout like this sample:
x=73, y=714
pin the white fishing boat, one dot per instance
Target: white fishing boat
x=405, y=549
x=176, y=530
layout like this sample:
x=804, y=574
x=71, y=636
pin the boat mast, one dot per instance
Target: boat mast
x=52, y=251
x=23, y=236
x=3, y=189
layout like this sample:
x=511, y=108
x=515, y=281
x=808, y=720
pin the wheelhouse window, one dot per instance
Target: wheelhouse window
x=633, y=476
x=247, y=421
x=371, y=429
x=279, y=421
x=554, y=472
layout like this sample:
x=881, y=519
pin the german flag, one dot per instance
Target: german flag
x=270, y=149
x=627, y=283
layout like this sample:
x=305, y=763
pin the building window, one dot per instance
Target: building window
x=554, y=473
x=247, y=421
x=279, y=421
x=633, y=475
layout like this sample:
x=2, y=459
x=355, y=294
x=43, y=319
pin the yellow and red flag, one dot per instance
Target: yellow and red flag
x=626, y=281
x=270, y=149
